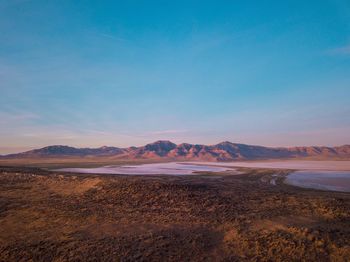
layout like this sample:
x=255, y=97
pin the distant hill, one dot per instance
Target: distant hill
x=225, y=151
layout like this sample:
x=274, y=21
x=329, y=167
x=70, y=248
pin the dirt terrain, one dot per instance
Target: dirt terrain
x=48, y=216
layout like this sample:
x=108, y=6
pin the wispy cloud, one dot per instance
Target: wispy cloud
x=343, y=50
x=8, y=3
x=10, y=118
x=167, y=132
x=113, y=37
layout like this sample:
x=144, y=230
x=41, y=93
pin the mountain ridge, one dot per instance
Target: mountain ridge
x=224, y=151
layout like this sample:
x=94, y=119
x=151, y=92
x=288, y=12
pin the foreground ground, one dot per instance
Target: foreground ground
x=48, y=216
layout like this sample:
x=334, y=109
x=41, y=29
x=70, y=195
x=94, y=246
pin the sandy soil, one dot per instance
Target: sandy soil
x=48, y=216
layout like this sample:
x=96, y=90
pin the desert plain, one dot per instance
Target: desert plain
x=245, y=214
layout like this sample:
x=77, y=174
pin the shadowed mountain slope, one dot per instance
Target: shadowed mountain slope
x=58, y=150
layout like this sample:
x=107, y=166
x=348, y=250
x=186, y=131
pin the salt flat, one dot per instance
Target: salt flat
x=172, y=168
x=324, y=180
x=326, y=175
x=287, y=164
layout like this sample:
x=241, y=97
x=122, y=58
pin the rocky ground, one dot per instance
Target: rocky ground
x=47, y=216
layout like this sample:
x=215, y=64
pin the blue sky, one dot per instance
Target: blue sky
x=93, y=73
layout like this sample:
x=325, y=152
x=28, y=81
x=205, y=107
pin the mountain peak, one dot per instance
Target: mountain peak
x=54, y=150
x=226, y=143
x=162, y=142
x=160, y=147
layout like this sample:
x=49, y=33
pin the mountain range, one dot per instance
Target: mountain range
x=225, y=151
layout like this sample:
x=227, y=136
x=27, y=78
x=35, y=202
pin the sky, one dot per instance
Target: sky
x=121, y=73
